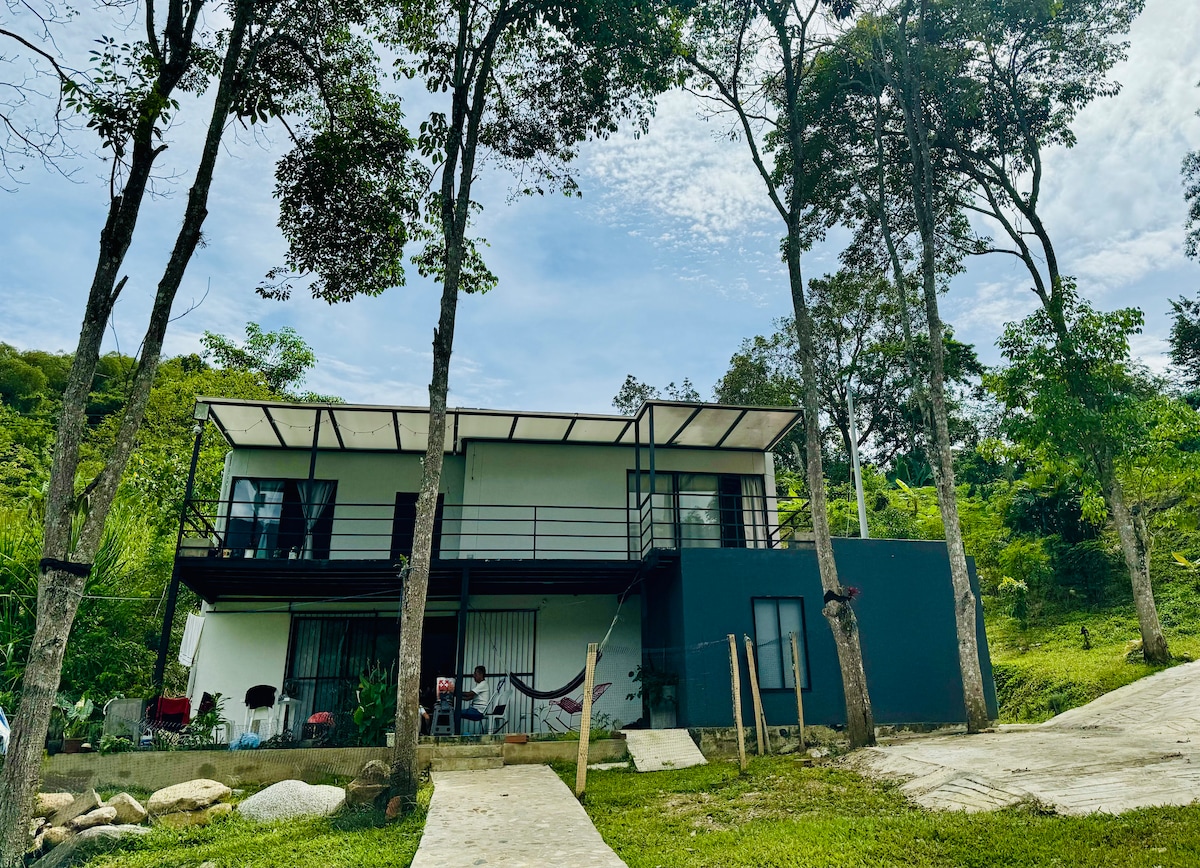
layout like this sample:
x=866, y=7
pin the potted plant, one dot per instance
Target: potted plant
x=656, y=689
x=376, y=711
x=78, y=717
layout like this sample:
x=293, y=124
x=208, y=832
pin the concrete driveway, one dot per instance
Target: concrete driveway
x=1135, y=747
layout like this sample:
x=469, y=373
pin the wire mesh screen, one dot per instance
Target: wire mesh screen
x=503, y=642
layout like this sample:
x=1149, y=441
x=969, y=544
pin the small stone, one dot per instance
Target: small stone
x=98, y=817
x=375, y=772
x=395, y=807
x=288, y=800
x=55, y=835
x=89, y=801
x=47, y=804
x=36, y=824
x=360, y=792
x=203, y=817
x=188, y=796
x=129, y=809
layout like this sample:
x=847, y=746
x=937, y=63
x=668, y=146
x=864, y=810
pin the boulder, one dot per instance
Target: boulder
x=89, y=801
x=290, y=800
x=182, y=819
x=78, y=847
x=55, y=835
x=360, y=792
x=98, y=817
x=47, y=804
x=375, y=772
x=129, y=809
x=188, y=796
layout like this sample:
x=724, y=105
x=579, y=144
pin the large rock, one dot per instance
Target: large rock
x=203, y=817
x=48, y=804
x=79, y=847
x=375, y=772
x=98, y=817
x=188, y=796
x=290, y=800
x=89, y=801
x=129, y=809
x=360, y=792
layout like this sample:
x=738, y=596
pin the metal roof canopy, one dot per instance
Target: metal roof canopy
x=367, y=428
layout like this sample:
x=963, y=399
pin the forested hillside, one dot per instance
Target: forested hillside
x=115, y=636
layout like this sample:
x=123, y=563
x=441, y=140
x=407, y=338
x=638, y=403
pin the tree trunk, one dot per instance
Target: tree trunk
x=60, y=591
x=1137, y=558
x=860, y=721
x=924, y=201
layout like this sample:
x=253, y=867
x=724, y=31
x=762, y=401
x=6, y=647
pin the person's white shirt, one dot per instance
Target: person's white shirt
x=483, y=694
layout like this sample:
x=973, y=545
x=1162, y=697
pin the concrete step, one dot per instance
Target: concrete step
x=466, y=764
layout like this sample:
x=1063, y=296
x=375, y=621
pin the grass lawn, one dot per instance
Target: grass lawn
x=782, y=814
x=353, y=839
x=1044, y=669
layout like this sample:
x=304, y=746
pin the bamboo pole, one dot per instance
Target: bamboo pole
x=736, y=677
x=585, y=725
x=760, y=719
x=799, y=693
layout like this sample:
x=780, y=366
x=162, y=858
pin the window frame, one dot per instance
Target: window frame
x=326, y=521
x=785, y=660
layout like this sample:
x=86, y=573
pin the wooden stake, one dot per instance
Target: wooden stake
x=736, y=676
x=760, y=719
x=799, y=693
x=585, y=725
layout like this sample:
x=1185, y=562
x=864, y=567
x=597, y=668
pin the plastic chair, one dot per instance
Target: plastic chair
x=260, y=704
x=497, y=715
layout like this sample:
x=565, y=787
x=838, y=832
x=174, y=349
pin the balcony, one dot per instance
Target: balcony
x=304, y=531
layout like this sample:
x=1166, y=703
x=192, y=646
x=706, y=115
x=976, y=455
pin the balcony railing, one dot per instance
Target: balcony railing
x=372, y=531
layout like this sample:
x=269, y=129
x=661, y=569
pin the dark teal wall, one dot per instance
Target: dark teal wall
x=906, y=619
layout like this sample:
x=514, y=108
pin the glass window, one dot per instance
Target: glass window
x=696, y=510
x=280, y=518
x=775, y=620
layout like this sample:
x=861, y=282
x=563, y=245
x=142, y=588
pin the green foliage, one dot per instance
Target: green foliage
x=281, y=358
x=633, y=393
x=78, y=716
x=1184, y=338
x=376, y=711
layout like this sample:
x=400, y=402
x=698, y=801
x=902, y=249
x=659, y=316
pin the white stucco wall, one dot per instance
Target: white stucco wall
x=580, y=493
x=238, y=651
x=241, y=648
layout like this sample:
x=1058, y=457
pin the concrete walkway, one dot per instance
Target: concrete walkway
x=1134, y=747
x=514, y=816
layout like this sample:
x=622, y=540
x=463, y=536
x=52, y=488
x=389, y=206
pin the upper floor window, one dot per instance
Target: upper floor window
x=696, y=510
x=280, y=518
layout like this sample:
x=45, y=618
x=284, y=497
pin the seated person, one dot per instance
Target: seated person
x=476, y=699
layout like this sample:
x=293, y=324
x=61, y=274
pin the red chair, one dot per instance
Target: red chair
x=574, y=706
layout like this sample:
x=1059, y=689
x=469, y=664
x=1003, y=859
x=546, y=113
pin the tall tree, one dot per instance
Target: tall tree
x=754, y=59
x=270, y=60
x=525, y=82
x=904, y=62
x=1028, y=69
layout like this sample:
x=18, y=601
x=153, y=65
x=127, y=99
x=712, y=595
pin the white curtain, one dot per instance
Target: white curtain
x=314, y=497
x=754, y=515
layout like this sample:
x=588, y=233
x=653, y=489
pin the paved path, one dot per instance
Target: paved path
x=1134, y=747
x=513, y=817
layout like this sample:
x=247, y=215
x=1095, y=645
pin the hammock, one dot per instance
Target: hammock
x=570, y=687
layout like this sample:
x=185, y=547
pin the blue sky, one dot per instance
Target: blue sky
x=667, y=262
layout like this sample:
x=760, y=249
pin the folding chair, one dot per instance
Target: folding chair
x=497, y=715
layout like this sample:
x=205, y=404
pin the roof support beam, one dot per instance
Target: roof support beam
x=736, y=422
x=337, y=432
x=274, y=427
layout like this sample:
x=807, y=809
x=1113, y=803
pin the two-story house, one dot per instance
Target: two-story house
x=655, y=535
